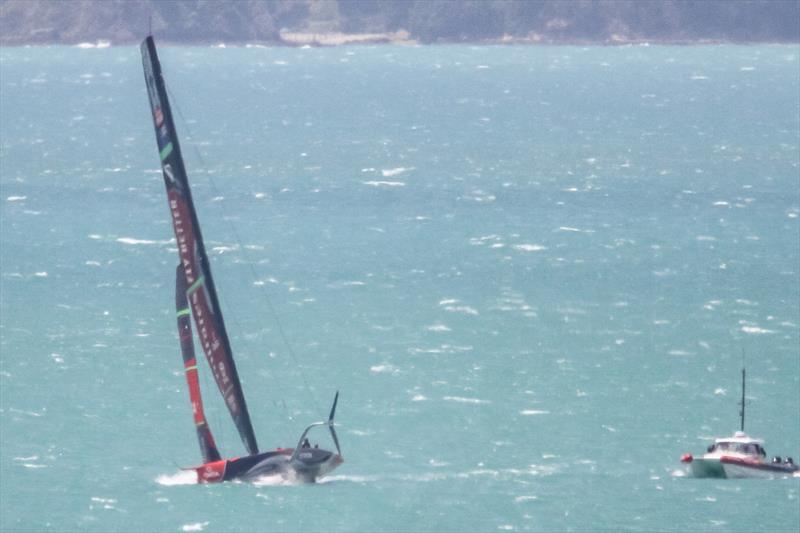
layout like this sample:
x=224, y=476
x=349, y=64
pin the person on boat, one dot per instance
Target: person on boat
x=306, y=444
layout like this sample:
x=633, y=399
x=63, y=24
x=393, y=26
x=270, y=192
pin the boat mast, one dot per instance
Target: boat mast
x=741, y=411
x=200, y=291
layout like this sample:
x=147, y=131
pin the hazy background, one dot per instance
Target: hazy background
x=555, y=21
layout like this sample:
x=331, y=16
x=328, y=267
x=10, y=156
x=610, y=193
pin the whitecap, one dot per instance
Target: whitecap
x=375, y=183
x=354, y=479
x=16, y=198
x=531, y=412
x=461, y=399
x=529, y=247
x=352, y=284
x=479, y=196
x=132, y=241
x=383, y=369
x=462, y=309
x=438, y=328
x=478, y=241
x=223, y=249
x=755, y=330
x=395, y=171
x=194, y=526
x=277, y=480
x=184, y=477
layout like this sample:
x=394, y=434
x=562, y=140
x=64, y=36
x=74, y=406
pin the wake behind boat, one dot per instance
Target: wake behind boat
x=739, y=456
x=195, y=295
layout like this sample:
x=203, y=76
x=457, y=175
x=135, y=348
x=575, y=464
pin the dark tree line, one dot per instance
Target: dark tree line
x=70, y=21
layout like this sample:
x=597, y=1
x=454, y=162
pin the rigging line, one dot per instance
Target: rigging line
x=238, y=239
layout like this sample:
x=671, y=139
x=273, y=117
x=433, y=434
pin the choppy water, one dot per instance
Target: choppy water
x=531, y=271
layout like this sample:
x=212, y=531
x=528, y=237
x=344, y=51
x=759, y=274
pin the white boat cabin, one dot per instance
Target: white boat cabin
x=738, y=444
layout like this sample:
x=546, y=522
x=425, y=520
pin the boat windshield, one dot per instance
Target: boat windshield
x=746, y=448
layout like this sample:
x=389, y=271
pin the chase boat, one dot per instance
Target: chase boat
x=739, y=456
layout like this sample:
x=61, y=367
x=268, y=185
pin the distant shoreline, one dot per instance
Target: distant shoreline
x=400, y=38
x=400, y=22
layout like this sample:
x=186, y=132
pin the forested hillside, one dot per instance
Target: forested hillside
x=426, y=21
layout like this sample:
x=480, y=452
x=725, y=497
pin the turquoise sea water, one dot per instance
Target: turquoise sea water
x=531, y=271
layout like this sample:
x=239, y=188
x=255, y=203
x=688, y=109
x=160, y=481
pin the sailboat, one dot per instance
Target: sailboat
x=196, y=296
x=739, y=456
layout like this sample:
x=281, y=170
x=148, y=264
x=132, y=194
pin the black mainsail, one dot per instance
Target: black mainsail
x=195, y=296
x=194, y=263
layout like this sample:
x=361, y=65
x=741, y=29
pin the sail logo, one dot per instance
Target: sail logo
x=152, y=91
x=182, y=238
x=169, y=174
x=155, y=102
x=209, y=472
x=163, y=133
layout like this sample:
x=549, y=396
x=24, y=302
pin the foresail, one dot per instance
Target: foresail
x=200, y=285
x=207, y=445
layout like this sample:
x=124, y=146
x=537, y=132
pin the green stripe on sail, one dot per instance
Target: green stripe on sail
x=166, y=151
x=184, y=312
x=190, y=368
x=196, y=285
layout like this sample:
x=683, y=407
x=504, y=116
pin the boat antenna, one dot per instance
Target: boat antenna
x=741, y=411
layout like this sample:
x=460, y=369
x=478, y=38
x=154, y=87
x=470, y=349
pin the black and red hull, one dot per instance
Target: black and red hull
x=311, y=464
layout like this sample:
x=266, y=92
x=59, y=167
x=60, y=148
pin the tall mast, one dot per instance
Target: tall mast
x=741, y=412
x=200, y=290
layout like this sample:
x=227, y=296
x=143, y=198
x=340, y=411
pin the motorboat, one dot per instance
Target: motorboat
x=739, y=456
